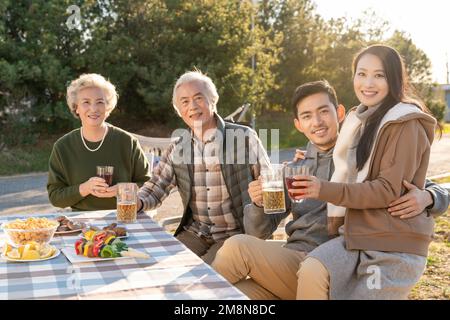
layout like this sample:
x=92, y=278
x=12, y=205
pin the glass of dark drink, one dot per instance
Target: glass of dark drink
x=106, y=172
x=127, y=202
x=290, y=171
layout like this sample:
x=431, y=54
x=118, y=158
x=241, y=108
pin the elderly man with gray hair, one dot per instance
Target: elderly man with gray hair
x=212, y=171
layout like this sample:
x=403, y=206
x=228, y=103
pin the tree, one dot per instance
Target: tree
x=437, y=108
x=154, y=42
x=338, y=45
x=314, y=49
x=295, y=23
x=142, y=46
x=36, y=55
x=417, y=63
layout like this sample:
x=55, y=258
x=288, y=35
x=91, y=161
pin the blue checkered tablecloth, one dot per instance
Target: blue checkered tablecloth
x=171, y=272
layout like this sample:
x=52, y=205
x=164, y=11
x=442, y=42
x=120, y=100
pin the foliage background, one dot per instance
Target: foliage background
x=142, y=46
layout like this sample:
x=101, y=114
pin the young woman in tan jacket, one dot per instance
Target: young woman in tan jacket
x=383, y=142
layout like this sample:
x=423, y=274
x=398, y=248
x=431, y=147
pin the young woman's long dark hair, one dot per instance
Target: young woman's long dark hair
x=399, y=91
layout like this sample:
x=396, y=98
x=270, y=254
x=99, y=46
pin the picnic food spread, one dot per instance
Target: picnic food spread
x=105, y=244
x=28, y=240
x=21, y=231
x=31, y=251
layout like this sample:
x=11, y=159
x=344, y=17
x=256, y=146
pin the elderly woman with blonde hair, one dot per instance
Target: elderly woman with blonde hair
x=72, y=180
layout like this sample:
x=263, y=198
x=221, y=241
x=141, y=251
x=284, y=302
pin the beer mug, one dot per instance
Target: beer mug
x=127, y=202
x=272, y=187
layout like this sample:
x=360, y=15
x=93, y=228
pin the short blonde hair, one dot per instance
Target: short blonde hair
x=91, y=80
x=210, y=93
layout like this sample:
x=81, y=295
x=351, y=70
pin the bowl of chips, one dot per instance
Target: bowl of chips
x=21, y=231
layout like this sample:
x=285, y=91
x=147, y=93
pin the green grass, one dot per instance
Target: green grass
x=435, y=282
x=289, y=137
x=442, y=180
x=26, y=159
x=431, y=260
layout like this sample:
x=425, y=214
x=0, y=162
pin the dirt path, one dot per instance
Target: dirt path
x=27, y=194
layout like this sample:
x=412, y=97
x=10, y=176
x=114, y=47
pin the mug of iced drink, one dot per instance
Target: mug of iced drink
x=127, y=202
x=272, y=187
x=106, y=172
x=291, y=170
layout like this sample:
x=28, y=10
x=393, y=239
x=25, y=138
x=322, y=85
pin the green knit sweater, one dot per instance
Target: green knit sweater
x=71, y=164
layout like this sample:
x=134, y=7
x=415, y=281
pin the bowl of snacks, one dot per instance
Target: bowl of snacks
x=21, y=231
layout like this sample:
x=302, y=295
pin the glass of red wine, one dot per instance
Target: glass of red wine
x=106, y=172
x=291, y=170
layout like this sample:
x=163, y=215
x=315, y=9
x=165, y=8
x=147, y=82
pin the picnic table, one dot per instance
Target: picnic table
x=171, y=272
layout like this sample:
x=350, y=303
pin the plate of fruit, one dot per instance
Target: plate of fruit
x=101, y=246
x=30, y=252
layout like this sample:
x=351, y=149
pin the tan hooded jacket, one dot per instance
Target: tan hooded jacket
x=400, y=152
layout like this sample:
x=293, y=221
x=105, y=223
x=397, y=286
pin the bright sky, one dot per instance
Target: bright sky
x=427, y=21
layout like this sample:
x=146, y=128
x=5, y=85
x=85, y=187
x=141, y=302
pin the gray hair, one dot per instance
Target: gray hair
x=91, y=80
x=210, y=93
